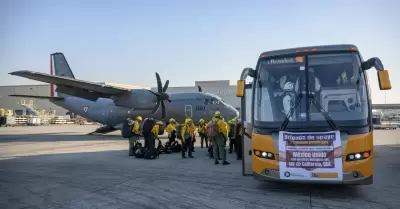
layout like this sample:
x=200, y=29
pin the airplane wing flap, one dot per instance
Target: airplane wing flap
x=36, y=97
x=70, y=82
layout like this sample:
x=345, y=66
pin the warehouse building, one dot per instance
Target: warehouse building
x=221, y=88
x=19, y=104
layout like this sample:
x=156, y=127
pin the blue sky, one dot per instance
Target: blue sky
x=127, y=41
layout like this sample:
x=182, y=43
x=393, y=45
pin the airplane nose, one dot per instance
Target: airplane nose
x=232, y=112
x=237, y=113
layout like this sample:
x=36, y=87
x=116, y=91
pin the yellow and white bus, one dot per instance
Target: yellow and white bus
x=308, y=116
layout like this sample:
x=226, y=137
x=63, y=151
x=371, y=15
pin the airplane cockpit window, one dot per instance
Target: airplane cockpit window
x=212, y=101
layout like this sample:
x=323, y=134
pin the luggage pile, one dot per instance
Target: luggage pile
x=141, y=151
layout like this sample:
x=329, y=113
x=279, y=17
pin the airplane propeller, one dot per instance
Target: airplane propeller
x=161, y=95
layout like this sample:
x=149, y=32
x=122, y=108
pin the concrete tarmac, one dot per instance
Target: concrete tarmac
x=60, y=167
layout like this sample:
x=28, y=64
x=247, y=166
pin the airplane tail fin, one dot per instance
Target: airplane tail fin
x=59, y=66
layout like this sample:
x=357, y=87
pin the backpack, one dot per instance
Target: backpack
x=166, y=149
x=212, y=128
x=151, y=154
x=148, y=125
x=176, y=147
x=160, y=147
x=231, y=133
x=126, y=130
x=139, y=153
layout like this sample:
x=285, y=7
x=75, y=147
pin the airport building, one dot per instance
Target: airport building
x=222, y=88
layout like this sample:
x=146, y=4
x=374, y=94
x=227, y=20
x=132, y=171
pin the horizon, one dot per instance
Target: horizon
x=126, y=42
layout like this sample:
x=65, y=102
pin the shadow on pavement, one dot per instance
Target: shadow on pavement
x=90, y=179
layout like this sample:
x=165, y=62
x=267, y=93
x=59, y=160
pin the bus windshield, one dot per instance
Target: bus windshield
x=335, y=83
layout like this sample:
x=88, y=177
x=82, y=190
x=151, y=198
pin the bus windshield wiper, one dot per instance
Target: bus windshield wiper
x=324, y=113
x=292, y=108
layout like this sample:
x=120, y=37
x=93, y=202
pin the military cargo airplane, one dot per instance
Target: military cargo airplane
x=111, y=105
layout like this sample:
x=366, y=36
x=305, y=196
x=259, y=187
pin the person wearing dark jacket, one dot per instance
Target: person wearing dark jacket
x=238, y=141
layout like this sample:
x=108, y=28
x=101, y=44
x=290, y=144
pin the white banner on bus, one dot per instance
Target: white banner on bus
x=310, y=156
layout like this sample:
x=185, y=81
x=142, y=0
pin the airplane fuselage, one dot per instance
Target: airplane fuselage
x=196, y=105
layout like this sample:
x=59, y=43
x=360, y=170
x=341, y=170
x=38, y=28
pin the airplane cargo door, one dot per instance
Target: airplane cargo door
x=188, y=111
x=246, y=137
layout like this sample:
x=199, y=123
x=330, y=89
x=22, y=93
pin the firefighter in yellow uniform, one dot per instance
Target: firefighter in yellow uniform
x=171, y=130
x=136, y=134
x=216, y=129
x=156, y=131
x=156, y=128
x=202, y=133
x=187, y=134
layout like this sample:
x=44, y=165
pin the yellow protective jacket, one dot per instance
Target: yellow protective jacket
x=155, y=130
x=171, y=127
x=135, y=127
x=188, y=129
x=226, y=128
x=201, y=128
x=221, y=126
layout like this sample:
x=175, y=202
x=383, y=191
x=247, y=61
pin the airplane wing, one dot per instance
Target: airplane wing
x=80, y=88
x=36, y=97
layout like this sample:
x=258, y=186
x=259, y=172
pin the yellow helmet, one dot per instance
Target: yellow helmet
x=139, y=118
x=188, y=120
x=159, y=123
x=217, y=114
x=201, y=121
x=171, y=120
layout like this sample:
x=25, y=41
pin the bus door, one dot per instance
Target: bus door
x=246, y=130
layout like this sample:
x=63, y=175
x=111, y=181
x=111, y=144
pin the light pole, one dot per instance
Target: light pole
x=385, y=97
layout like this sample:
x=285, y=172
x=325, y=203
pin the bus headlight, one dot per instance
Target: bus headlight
x=358, y=156
x=262, y=154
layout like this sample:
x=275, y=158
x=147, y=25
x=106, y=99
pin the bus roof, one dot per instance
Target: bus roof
x=323, y=48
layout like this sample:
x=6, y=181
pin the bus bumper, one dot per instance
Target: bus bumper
x=348, y=178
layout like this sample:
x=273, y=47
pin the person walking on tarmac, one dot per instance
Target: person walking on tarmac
x=202, y=133
x=187, y=134
x=135, y=135
x=232, y=134
x=216, y=129
x=171, y=130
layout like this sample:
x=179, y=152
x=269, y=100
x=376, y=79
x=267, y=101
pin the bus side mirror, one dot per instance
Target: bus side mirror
x=240, y=88
x=383, y=75
x=384, y=80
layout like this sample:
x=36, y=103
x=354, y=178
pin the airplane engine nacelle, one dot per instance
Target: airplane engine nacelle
x=138, y=99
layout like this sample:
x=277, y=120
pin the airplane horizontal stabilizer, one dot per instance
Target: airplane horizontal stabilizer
x=36, y=97
x=104, y=90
